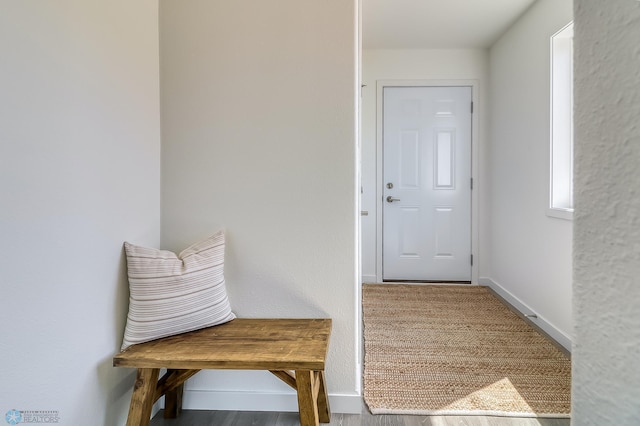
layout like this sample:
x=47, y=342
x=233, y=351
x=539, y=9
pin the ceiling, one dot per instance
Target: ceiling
x=437, y=24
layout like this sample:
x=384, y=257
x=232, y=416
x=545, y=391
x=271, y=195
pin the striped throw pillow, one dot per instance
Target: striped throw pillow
x=172, y=294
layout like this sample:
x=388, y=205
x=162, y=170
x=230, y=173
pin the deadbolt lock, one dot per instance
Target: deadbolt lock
x=389, y=185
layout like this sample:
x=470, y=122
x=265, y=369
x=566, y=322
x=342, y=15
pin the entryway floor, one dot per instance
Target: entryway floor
x=256, y=418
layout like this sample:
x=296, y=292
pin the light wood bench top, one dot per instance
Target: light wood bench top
x=242, y=344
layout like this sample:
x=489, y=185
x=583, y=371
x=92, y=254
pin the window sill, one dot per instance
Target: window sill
x=566, y=214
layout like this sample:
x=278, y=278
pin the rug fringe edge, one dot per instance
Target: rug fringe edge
x=377, y=411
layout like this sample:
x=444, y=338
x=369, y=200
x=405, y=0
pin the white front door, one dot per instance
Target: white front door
x=427, y=183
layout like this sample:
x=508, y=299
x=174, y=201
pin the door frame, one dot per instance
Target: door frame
x=474, y=84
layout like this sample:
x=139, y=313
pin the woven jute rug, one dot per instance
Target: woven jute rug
x=457, y=350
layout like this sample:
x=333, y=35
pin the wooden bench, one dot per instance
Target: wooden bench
x=294, y=350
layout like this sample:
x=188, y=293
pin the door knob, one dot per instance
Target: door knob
x=390, y=199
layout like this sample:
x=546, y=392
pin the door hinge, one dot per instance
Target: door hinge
x=471, y=107
x=471, y=260
x=471, y=183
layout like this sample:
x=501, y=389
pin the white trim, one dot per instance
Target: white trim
x=475, y=223
x=370, y=279
x=566, y=214
x=557, y=335
x=159, y=404
x=262, y=401
x=358, y=343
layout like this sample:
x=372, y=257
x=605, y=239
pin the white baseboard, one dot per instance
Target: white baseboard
x=369, y=279
x=262, y=401
x=159, y=404
x=523, y=308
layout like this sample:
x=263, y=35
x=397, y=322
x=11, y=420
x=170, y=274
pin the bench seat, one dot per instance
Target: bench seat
x=294, y=350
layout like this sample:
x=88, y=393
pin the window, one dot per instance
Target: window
x=561, y=170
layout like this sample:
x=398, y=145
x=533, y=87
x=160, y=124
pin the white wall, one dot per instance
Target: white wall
x=606, y=354
x=530, y=255
x=413, y=64
x=79, y=166
x=258, y=129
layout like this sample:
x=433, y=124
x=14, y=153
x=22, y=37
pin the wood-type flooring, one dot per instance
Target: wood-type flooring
x=256, y=418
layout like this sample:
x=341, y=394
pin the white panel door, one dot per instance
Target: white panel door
x=427, y=184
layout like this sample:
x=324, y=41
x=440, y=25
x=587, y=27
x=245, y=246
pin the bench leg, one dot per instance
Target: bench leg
x=173, y=402
x=307, y=397
x=142, y=398
x=324, y=412
x=171, y=385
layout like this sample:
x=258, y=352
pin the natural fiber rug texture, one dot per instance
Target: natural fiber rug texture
x=457, y=350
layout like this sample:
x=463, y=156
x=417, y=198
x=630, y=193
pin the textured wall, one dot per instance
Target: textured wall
x=606, y=353
x=530, y=252
x=258, y=125
x=79, y=175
